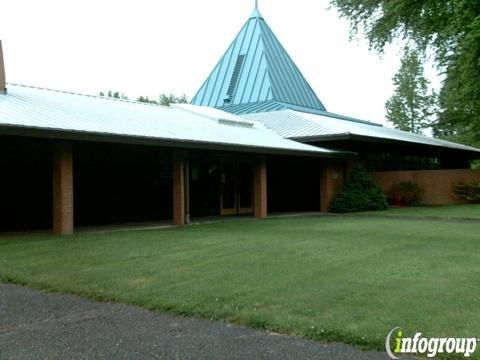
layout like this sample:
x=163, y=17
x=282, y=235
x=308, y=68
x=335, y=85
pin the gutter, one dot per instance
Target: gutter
x=172, y=143
x=350, y=136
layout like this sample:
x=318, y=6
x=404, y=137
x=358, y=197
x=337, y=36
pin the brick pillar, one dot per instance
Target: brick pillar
x=178, y=188
x=187, y=190
x=331, y=181
x=260, y=188
x=62, y=188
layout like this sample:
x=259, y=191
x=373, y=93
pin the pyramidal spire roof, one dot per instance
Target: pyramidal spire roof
x=256, y=74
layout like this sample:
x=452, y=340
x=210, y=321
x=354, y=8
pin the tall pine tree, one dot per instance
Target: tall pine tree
x=412, y=105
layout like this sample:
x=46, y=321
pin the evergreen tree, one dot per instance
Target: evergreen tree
x=411, y=106
x=360, y=193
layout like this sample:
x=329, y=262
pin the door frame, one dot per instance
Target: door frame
x=236, y=210
x=228, y=211
x=244, y=210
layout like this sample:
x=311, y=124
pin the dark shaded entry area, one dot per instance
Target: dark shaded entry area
x=204, y=186
x=126, y=183
x=25, y=184
x=220, y=185
x=116, y=183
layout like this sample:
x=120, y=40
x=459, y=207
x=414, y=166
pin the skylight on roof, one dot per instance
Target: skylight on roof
x=238, y=123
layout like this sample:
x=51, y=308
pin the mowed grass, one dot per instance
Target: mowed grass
x=468, y=211
x=350, y=279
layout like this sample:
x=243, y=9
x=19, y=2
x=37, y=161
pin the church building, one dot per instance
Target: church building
x=256, y=140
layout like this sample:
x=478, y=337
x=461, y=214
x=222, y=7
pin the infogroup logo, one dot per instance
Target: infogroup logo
x=397, y=343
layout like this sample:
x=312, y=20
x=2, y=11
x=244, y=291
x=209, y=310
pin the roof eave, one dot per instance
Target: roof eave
x=373, y=139
x=75, y=135
x=320, y=138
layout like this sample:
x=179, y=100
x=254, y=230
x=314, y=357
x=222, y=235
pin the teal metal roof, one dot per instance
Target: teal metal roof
x=256, y=74
x=50, y=113
x=272, y=105
x=254, y=107
x=308, y=127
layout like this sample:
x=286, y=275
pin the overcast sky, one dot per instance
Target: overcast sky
x=145, y=47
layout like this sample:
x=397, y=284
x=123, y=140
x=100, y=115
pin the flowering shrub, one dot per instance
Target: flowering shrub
x=469, y=192
x=406, y=193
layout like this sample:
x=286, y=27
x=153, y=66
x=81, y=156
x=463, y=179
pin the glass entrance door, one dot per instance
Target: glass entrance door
x=236, y=187
x=228, y=191
x=245, y=187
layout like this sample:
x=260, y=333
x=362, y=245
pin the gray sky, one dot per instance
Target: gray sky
x=145, y=47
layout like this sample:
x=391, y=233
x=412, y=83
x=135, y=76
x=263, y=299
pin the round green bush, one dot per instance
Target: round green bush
x=360, y=193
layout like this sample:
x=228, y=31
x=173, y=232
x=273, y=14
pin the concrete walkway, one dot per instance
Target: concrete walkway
x=38, y=325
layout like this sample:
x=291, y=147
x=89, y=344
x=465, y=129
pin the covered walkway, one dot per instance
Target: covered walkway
x=91, y=186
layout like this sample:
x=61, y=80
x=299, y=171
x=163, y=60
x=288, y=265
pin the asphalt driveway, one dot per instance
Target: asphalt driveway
x=38, y=325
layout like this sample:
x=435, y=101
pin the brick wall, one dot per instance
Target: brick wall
x=438, y=184
x=331, y=182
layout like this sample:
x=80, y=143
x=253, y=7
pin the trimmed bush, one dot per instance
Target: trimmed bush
x=360, y=193
x=469, y=192
x=406, y=193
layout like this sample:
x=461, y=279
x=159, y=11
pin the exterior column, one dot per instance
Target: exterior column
x=62, y=188
x=260, y=188
x=187, y=190
x=178, y=188
x=331, y=181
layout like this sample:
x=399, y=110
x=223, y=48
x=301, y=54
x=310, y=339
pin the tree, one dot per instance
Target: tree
x=450, y=28
x=360, y=193
x=411, y=106
x=114, y=95
x=164, y=100
x=145, y=99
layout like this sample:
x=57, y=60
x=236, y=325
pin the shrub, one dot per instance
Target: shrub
x=469, y=192
x=406, y=193
x=360, y=193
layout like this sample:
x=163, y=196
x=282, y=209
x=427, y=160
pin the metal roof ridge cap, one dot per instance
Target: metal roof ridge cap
x=293, y=106
x=327, y=113
x=127, y=101
x=348, y=118
x=195, y=113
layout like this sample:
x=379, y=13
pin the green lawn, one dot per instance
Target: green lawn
x=337, y=278
x=470, y=211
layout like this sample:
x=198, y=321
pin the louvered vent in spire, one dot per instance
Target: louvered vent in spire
x=234, y=80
